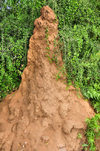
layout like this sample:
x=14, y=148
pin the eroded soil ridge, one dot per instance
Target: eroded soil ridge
x=42, y=115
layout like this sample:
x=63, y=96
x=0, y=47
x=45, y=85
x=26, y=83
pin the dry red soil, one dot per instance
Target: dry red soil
x=42, y=115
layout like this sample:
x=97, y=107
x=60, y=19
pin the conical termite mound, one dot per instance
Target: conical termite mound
x=42, y=115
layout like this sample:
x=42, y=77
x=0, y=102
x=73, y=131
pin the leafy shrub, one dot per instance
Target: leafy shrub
x=16, y=26
x=93, y=131
x=81, y=36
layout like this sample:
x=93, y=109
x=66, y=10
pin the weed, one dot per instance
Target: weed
x=46, y=33
x=93, y=131
x=85, y=147
x=79, y=136
x=57, y=76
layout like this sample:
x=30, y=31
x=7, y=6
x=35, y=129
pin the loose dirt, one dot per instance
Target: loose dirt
x=42, y=115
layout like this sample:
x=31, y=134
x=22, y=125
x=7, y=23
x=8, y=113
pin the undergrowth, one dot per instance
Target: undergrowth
x=93, y=131
x=79, y=31
x=16, y=26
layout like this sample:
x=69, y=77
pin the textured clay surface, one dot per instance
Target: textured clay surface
x=42, y=115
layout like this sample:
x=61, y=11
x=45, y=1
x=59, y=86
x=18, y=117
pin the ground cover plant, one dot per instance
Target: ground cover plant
x=79, y=31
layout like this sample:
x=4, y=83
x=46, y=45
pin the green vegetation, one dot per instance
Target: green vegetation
x=16, y=26
x=93, y=131
x=79, y=31
x=79, y=136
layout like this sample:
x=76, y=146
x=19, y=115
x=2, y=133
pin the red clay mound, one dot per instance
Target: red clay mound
x=42, y=115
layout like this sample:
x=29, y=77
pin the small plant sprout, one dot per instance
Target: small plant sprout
x=46, y=33
x=57, y=77
x=85, y=147
x=79, y=136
